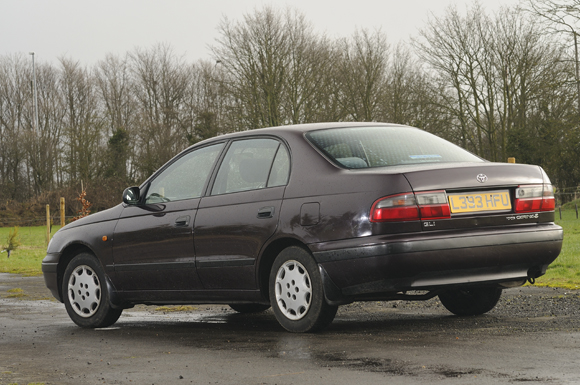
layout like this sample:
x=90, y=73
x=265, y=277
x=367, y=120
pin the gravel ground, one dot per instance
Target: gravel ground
x=532, y=335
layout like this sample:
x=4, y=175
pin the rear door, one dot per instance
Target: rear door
x=240, y=213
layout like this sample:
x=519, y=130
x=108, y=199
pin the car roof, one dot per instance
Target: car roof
x=297, y=129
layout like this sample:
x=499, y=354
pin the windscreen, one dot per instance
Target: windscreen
x=365, y=147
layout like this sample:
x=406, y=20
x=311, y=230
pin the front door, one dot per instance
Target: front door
x=153, y=241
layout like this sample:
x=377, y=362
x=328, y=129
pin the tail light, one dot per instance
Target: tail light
x=411, y=207
x=531, y=198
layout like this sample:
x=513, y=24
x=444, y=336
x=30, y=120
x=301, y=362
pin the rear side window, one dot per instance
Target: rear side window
x=252, y=164
x=366, y=147
x=280, y=169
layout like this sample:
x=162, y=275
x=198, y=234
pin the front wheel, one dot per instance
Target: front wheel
x=296, y=292
x=470, y=302
x=85, y=293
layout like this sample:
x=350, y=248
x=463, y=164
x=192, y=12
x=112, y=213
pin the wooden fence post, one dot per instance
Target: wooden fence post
x=47, y=224
x=61, y=212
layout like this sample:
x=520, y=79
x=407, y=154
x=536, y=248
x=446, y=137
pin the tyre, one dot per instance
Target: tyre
x=249, y=307
x=296, y=292
x=85, y=293
x=469, y=302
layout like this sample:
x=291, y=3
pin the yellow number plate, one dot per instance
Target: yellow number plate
x=488, y=201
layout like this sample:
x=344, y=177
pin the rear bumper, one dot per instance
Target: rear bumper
x=364, y=267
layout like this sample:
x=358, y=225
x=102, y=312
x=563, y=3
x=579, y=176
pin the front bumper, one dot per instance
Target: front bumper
x=49, y=271
x=365, y=267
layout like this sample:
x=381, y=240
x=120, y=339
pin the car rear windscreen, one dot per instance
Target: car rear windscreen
x=365, y=147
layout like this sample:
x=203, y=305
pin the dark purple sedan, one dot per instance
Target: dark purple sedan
x=306, y=218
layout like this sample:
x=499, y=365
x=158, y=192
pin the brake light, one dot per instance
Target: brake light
x=411, y=207
x=531, y=198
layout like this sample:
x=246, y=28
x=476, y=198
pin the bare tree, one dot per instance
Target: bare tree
x=15, y=92
x=308, y=93
x=50, y=163
x=496, y=84
x=414, y=96
x=562, y=17
x=403, y=81
x=83, y=128
x=527, y=63
x=447, y=49
x=494, y=67
x=205, y=101
x=254, y=55
x=363, y=69
x=160, y=83
x=113, y=78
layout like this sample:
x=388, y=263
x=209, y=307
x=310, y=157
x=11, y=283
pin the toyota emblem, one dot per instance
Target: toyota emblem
x=481, y=178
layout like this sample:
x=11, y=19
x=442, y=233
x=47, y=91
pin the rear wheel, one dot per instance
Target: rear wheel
x=296, y=292
x=249, y=307
x=85, y=293
x=469, y=302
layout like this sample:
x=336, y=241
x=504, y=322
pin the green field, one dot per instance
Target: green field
x=564, y=272
x=27, y=258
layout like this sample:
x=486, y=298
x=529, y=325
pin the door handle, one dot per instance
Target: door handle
x=182, y=221
x=266, y=212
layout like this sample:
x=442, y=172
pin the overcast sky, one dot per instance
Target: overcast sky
x=88, y=30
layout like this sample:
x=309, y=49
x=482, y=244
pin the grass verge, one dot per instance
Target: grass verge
x=565, y=270
x=25, y=260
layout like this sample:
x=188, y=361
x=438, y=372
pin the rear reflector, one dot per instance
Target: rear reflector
x=532, y=198
x=433, y=205
x=411, y=207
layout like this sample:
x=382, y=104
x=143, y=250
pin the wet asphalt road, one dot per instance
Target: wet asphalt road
x=532, y=336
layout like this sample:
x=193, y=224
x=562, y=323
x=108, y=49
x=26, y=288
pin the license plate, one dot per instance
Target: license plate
x=475, y=202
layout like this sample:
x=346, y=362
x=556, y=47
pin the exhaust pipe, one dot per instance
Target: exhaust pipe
x=535, y=272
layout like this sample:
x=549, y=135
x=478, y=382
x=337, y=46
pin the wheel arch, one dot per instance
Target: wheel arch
x=267, y=260
x=67, y=255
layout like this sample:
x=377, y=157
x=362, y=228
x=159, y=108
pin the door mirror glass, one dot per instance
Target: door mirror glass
x=131, y=195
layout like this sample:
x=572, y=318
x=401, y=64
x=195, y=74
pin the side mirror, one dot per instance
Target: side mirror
x=131, y=195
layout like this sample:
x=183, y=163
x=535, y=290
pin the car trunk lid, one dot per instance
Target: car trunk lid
x=479, y=195
x=453, y=177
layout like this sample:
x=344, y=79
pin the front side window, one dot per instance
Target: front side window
x=248, y=165
x=365, y=147
x=184, y=178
